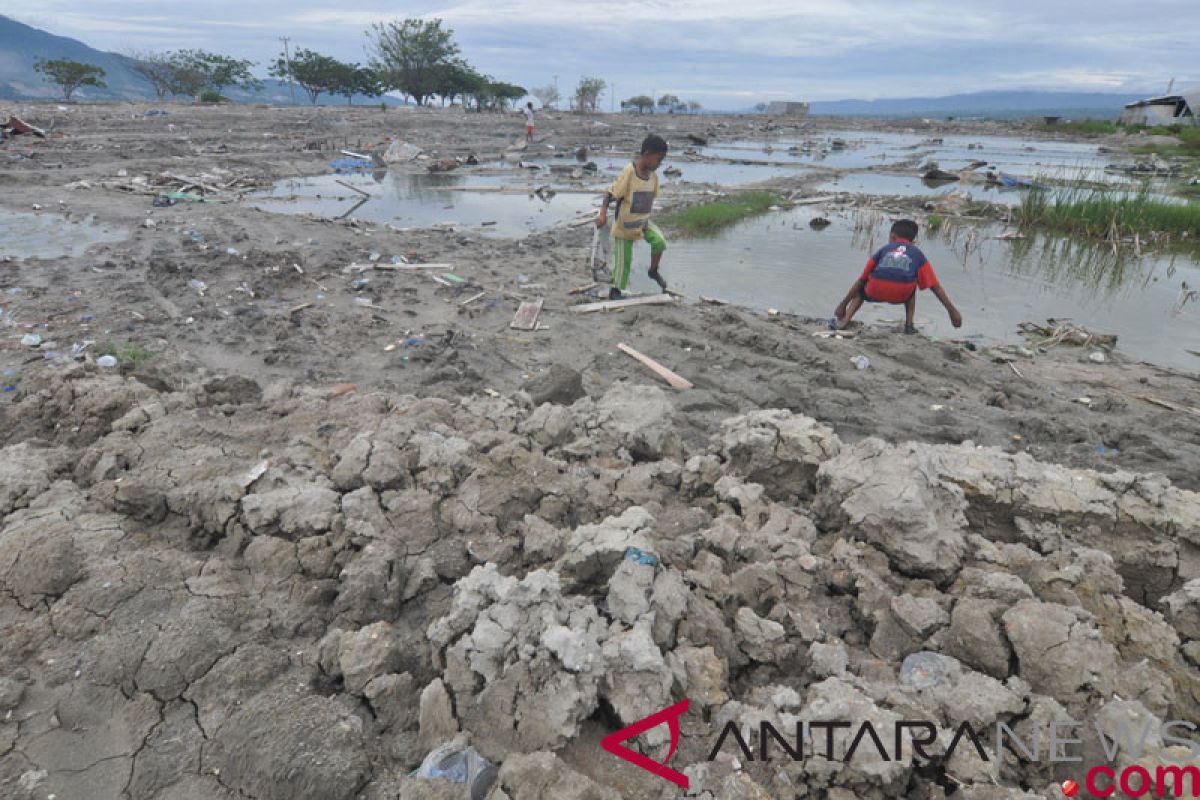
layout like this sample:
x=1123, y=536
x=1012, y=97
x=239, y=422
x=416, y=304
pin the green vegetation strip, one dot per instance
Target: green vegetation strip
x=1107, y=213
x=708, y=218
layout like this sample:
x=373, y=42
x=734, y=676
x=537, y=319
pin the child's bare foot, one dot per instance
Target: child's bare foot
x=910, y=328
x=657, y=278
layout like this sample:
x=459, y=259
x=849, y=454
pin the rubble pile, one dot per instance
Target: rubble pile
x=219, y=590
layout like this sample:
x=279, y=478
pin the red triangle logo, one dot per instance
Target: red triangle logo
x=613, y=743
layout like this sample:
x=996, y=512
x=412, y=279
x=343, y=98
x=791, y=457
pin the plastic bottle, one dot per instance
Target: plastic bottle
x=862, y=362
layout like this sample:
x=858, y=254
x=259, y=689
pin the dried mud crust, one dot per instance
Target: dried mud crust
x=235, y=592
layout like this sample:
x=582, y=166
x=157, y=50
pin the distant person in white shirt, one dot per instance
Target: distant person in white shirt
x=529, y=123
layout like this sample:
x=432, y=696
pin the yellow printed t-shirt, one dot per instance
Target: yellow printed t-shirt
x=636, y=200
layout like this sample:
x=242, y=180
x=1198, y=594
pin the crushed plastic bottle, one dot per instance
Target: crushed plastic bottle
x=862, y=362
x=924, y=670
x=31, y=340
x=107, y=362
x=458, y=763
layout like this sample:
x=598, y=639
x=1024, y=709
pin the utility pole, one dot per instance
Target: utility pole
x=556, y=97
x=287, y=59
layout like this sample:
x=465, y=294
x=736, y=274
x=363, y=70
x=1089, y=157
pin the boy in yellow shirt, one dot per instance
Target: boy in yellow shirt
x=635, y=190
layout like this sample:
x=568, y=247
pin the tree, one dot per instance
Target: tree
x=505, y=93
x=221, y=71
x=587, y=93
x=361, y=80
x=186, y=74
x=155, y=68
x=671, y=104
x=693, y=107
x=642, y=103
x=70, y=75
x=548, y=96
x=454, y=79
x=410, y=54
x=196, y=70
x=314, y=72
x=761, y=108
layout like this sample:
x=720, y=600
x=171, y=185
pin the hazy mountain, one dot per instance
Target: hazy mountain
x=21, y=46
x=1098, y=105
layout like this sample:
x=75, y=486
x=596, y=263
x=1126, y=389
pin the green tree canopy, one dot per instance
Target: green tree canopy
x=197, y=70
x=640, y=103
x=69, y=75
x=409, y=55
x=671, y=103
x=314, y=72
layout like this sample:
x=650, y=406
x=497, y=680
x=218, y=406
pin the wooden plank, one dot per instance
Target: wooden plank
x=657, y=368
x=527, y=315
x=609, y=305
x=582, y=289
x=300, y=307
x=352, y=188
x=412, y=267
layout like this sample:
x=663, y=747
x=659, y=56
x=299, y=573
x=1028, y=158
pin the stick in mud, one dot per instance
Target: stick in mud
x=609, y=305
x=658, y=369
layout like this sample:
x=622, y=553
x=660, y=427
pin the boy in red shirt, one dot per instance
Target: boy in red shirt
x=893, y=275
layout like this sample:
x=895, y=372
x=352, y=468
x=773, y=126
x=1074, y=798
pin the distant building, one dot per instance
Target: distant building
x=1180, y=108
x=787, y=109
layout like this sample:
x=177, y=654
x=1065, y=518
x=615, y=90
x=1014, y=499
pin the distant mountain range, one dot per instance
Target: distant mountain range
x=22, y=45
x=1095, y=105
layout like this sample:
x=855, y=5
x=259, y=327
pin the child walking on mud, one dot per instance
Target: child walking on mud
x=893, y=275
x=635, y=190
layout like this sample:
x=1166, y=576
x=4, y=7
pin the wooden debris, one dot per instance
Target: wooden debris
x=352, y=188
x=352, y=154
x=441, y=280
x=527, y=315
x=339, y=389
x=713, y=301
x=582, y=289
x=1158, y=401
x=657, y=368
x=411, y=267
x=609, y=305
x=300, y=307
x=472, y=299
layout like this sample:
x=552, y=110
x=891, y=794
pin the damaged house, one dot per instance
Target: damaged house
x=1179, y=108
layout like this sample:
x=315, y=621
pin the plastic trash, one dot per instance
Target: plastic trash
x=638, y=556
x=1098, y=356
x=108, y=362
x=459, y=763
x=362, y=301
x=198, y=285
x=31, y=340
x=924, y=670
x=415, y=341
x=343, y=165
x=359, y=283
x=862, y=362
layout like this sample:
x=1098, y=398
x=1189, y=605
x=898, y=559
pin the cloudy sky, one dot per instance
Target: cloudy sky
x=723, y=53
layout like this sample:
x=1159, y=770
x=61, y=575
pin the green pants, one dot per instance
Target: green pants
x=623, y=254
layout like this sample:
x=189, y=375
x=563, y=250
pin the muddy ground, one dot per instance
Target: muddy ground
x=211, y=552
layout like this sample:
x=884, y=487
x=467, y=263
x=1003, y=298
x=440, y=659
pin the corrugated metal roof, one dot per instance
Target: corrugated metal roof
x=1190, y=96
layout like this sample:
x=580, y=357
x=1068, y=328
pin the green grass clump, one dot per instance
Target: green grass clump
x=1105, y=212
x=126, y=353
x=708, y=218
x=1087, y=127
x=1189, y=144
x=934, y=222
